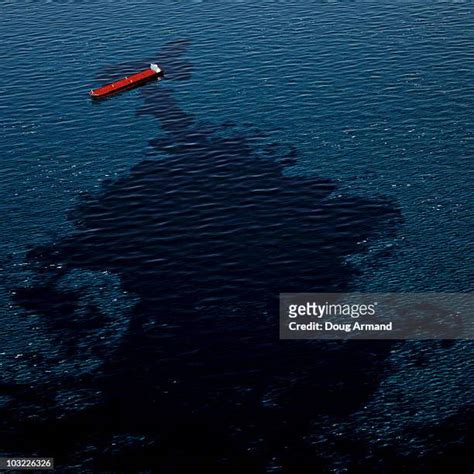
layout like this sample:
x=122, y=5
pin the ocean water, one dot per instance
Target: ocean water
x=291, y=146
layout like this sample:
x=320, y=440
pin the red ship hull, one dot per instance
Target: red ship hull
x=125, y=83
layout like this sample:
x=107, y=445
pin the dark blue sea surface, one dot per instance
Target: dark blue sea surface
x=290, y=146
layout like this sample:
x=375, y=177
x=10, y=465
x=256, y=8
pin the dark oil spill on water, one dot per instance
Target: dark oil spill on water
x=203, y=239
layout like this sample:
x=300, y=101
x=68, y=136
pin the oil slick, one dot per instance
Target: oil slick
x=203, y=241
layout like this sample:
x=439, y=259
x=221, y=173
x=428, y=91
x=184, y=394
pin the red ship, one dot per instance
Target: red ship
x=127, y=82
